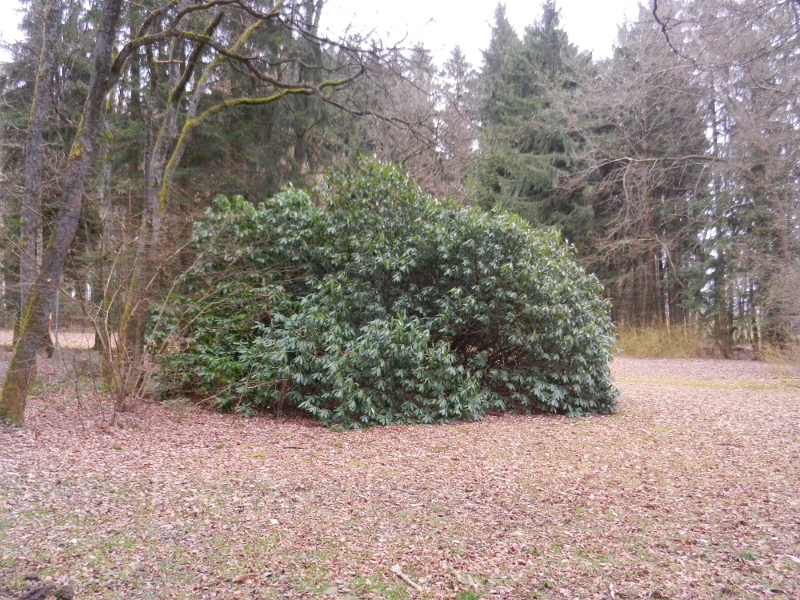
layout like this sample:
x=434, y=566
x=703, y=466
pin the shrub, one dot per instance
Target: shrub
x=367, y=302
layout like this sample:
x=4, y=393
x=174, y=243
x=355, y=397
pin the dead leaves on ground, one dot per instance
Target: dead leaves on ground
x=689, y=491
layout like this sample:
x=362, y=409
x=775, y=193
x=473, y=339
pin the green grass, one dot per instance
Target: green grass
x=777, y=383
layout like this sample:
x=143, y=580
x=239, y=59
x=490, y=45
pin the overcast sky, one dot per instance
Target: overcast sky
x=442, y=24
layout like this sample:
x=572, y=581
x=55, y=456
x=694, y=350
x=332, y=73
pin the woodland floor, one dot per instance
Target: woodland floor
x=691, y=490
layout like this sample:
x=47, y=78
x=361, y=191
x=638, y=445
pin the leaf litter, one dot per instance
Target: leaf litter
x=690, y=490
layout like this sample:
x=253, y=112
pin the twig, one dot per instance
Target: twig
x=398, y=570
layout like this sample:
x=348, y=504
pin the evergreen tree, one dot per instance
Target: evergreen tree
x=745, y=57
x=526, y=145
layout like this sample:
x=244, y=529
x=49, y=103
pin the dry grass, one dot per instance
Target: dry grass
x=677, y=341
x=66, y=339
x=780, y=356
x=689, y=491
x=686, y=342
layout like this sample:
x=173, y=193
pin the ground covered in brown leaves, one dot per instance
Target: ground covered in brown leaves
x=691, y=490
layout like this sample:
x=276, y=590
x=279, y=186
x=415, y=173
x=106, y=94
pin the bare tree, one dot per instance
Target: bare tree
x=746, y=54
x=424, y=121
x=33, y=325
x=646, y=163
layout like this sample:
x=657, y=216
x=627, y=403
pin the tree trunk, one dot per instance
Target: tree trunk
x=33, y=325
x=658, y=291
x=677, y=315
x=100, y=317
x=30, y=224
x=723, y=316
x=162, y=158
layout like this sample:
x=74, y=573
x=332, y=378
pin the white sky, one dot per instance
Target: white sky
x=442, y=24
x=9, y=18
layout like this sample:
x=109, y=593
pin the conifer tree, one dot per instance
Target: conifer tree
x=526, y=145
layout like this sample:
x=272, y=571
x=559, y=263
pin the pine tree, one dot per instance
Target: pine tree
x=526, y=146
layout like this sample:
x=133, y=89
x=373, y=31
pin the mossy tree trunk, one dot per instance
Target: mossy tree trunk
x=33, y=325
x=30, y=222
x=128, y=364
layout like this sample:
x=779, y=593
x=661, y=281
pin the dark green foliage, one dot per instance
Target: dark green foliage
x=526, y=145
x=368, y=302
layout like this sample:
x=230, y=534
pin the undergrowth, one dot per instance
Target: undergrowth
x=676, y=341
x=686, y=341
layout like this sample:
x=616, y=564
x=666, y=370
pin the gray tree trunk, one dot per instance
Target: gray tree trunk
x=33, y=325
x=30, y=225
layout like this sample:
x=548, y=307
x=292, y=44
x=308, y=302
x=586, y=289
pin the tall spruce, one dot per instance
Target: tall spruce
x=745, y=55
x=526, y=144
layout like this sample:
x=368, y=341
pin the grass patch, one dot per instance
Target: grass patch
x=776, y=383
x=677, y=341
x=180, y=405
x=776, y=355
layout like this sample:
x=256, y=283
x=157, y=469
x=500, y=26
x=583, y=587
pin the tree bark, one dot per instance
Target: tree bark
x=33, y=325
x=677, y=315
x=30, y=224
x=162, y=160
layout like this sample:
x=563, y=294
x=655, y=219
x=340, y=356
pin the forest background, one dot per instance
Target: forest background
x=671, y=166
